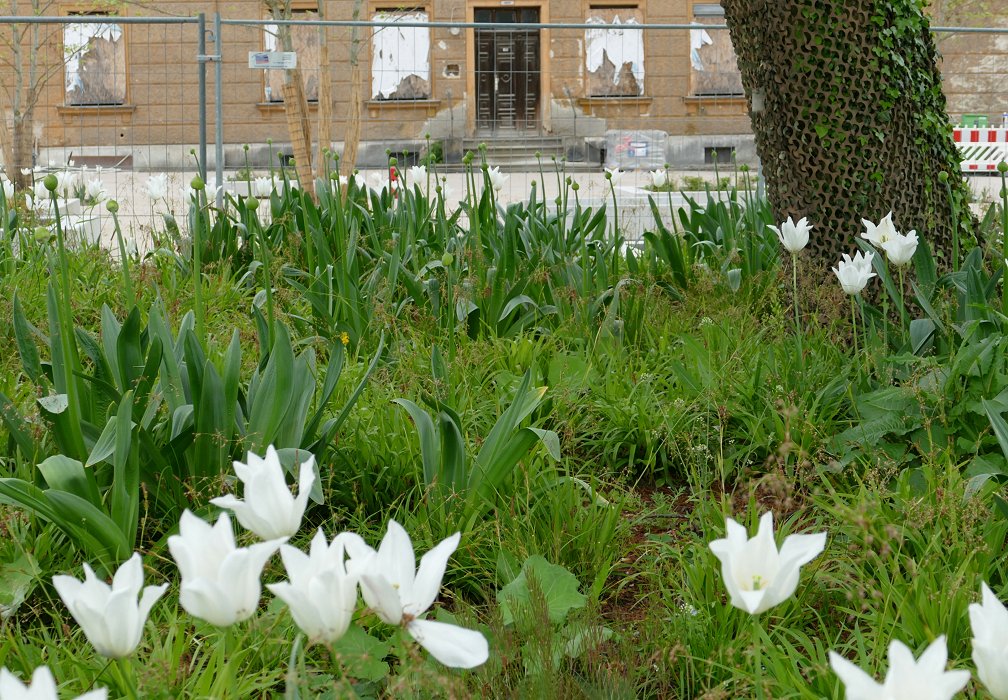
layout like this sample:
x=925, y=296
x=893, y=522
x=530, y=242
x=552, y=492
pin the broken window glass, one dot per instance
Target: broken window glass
x=614, y=52
x=305, y=42
x=94, y=56
x=400, y=57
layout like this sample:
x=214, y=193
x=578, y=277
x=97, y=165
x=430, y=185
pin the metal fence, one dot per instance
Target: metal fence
x=143, y=96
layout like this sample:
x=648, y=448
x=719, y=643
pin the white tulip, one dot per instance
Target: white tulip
x=989, y=621
x=497, y=178
x=880, y=233
x=8, y=188
x=321, y=595
x=42, y=687
x=66, y=181
x=907, y=679
x=417, y=175
x=95, y=190
x=855, y=272
x=900, y=248
x=157, y=186
x=269, y=510
x=220, y=582
x=262, y=187
x=613, y=174
x=793, y=236
x=399, y=593
x=111, y=617
x=659, y=178
x=756, y=574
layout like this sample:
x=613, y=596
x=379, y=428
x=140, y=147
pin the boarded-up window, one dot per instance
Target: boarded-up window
x=94, y=56
x=614, y=52
x=400, y=57
x=305, y=43
x=713, y=66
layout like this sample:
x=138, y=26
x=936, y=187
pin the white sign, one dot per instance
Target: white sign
x=284, y=60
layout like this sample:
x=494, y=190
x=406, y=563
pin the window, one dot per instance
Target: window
x=305, y=43
x=400, y=57
x=94, y=59
x=614, y=52
x=713, y=67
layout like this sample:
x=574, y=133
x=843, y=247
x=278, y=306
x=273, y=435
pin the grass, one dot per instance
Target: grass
x=678, y=400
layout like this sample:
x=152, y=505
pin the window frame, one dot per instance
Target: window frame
x=295, y=7
x=426, y=8
x=90, y=11
x=700, y=11
x=640, y=6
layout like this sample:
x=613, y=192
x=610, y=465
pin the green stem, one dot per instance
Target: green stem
x=1004, y=238
x=129, y=295
x=758, y=655
x=794, y=291
x=903, y=323
x=197, y=263
x=127, y=678
x=853, y=313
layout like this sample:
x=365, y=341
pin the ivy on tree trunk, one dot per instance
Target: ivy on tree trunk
x=849, y=117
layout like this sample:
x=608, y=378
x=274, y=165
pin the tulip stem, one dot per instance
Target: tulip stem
x=126, y=678
x=853, y=315
x=794, y=291
x=902, y=302
x=758, y=654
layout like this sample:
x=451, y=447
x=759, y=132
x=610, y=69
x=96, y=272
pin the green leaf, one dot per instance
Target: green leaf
x=23, y=332
x=362, y=655
x=558, y=586
x=65, y=474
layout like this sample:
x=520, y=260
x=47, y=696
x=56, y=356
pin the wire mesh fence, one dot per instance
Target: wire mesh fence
x=521, y=89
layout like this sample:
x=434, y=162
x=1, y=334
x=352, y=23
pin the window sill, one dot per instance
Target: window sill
x=83, y=110
x=429, y=105
x=603, y=105
x=702, y=99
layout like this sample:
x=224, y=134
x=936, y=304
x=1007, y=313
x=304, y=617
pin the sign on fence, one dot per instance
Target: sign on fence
x=284, y=60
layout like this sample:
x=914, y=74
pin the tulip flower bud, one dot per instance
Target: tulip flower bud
x=393, y=161
x=447, y=259
x=50, y=182
x=197, y=183
x=1002, y=167
x=112, y=206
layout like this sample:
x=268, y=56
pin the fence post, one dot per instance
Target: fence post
x=219, y=111
x=201, y=58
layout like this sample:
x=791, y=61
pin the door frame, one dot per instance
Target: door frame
x=545, y=94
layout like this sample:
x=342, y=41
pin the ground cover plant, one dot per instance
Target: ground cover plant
x=688, y=466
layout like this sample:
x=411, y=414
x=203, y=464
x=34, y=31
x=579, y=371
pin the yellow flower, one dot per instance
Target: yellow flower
x=344, y=338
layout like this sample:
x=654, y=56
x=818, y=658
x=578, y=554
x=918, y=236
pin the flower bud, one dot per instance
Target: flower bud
x=943, y=176
x=447, y=259
x=393, y=161
x=575, y=186
x=50, y=182
x=112, y=206
x=1002, y=167
x=42, y=234
x=608, y=175
x=252, y=203
x=197, y=183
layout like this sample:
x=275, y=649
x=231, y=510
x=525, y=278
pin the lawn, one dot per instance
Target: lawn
x=293, y=398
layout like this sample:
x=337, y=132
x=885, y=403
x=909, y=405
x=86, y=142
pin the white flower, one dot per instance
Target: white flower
x=659, y=178
x=220, y=582
x=900, y=248
x=793, y=236
x=269, y=510
x=42, y=687
x=157, y=186
x=262, y=187
x=95, y=190
x=417, y=174
x=989, y=621
x=497, y=178
x=40, y=194
x=321, y=594
x=8, y=188
x=111, y=616
x=879, y=234
x=613, y=174
x=399, y=593
x=907, y=679
x=855, y=272
x=756, y=575
x=66, y=180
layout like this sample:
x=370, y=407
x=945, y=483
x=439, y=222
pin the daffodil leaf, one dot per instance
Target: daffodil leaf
x=554, y=587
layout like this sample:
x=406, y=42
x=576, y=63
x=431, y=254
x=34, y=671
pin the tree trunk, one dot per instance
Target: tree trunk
x=325, y=97
x=353, y=119
x=849, y=117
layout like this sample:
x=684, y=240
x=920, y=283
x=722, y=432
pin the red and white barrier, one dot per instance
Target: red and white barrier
x=981, y=148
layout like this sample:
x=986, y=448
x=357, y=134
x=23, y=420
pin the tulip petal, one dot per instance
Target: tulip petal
x=396, y=560
x=454, y=646
x=858, y=684
x=429, y=575
x=382, y=597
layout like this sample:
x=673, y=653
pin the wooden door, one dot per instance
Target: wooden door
x=507, y=71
